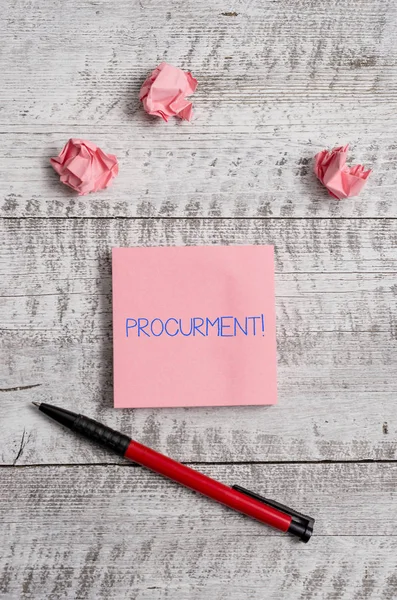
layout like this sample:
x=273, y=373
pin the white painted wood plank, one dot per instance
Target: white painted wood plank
x=208, y=173
x=120, y=532
x=276, y=84
x=268, y=53
x=336, y=333
x=325, y=411
x=82, y=246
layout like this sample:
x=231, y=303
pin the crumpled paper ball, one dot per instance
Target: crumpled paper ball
x=341, y=181
x=84, y=167
x=164, y=91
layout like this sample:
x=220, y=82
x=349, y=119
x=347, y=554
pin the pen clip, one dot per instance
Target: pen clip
x=301, y=525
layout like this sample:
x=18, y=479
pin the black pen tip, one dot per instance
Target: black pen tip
x=36, y=404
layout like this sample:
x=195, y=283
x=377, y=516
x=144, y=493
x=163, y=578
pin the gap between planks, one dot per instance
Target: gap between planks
x=192, y=464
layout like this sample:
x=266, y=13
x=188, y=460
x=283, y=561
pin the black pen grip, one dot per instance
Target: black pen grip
x=95, y=431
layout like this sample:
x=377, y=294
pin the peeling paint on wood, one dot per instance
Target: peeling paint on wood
x=336, y=327
x=116, y=532
x=278, y=81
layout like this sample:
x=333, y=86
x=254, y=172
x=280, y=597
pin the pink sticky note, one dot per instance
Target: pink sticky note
x=194, y=326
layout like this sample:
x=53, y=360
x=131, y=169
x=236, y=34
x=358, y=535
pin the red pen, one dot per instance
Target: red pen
x=248, y=503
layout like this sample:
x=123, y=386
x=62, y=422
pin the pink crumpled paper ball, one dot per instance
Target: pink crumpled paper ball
x=84, y=167
x=164, y=92
x=341, y=181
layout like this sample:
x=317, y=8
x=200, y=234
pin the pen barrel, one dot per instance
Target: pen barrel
x=114, y=440
x=205, y=485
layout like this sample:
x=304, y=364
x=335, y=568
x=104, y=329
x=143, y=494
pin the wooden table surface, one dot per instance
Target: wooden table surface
x=278, y=81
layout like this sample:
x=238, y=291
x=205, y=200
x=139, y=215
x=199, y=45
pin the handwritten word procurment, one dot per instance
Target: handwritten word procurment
x=224, y=326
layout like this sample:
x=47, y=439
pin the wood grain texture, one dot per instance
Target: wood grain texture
x=192, y=174
x=278, y=81
x=336, y=327
x=120, y=532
